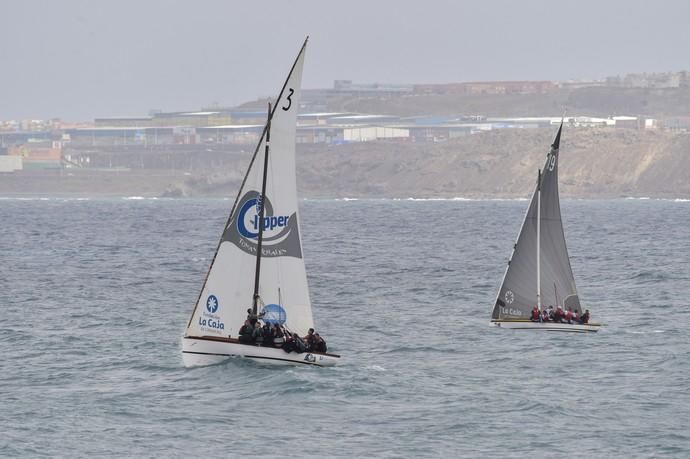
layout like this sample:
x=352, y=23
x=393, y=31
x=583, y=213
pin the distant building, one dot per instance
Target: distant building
x=628, y=122
x=579, y=84
x=347, y=86
x=488, y=87
x=372, y=133
x=38, y=155
x=124, y=121
x=10, y=163
x=166, y=119
x=8, y=139
x=112, y=136
x=662, y=80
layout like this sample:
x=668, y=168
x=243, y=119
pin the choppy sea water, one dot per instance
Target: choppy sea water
x=95, y=295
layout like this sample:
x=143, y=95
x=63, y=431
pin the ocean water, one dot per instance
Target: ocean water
x=95, y=295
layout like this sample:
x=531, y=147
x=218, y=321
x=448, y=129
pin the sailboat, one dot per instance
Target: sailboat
x=258, y=267
x=539, y=272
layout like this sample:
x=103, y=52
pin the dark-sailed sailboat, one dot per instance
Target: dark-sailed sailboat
x=539, y=272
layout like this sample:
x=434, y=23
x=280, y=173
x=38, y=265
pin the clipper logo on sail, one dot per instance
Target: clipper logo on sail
x=280, y=232
x=269, y=223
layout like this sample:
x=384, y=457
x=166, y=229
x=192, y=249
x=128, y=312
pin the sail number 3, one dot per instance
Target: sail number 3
x=289, y=99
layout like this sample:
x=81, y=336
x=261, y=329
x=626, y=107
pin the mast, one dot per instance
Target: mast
x=262, y=199
x=539, y=240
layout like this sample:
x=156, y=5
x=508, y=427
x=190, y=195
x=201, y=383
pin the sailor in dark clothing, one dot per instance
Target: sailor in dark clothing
x=268, y=335
x=289, y=344
x=258, y=334
x=309, y=339
x=278, y=336
x=246, y=333
x=299, y=345
x=251, y=317
x=584, y=318
x=320, y=344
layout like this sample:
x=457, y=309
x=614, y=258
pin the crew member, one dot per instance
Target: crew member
x=536, y=315
x=246, y=331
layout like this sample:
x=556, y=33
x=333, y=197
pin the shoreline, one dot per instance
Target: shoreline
x=134, y=197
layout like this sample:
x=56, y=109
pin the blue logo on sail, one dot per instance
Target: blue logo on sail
x=280, y=232
x=212, y=304
x=209, y=322
x=250, y=229
x=274, y=314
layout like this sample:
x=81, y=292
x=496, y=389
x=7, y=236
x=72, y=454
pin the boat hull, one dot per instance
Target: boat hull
x=545, y=326
x=202, y=351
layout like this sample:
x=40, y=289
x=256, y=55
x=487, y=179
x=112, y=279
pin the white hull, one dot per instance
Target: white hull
x=201, y=351
x=545, y=326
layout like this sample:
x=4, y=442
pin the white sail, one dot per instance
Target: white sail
x=228, y=290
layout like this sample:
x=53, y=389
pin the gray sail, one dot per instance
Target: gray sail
x=518, y=293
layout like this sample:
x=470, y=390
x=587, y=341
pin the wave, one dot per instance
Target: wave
x=23, y=198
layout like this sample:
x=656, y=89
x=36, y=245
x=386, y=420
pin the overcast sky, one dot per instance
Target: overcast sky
x=80, y=59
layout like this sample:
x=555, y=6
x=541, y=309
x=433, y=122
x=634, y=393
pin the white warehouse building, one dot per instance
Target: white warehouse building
x=370, y=133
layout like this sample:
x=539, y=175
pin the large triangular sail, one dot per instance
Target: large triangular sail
x=518, y=292
x=228, y=290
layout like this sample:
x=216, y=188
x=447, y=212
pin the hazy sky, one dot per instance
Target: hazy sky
x=79, y=59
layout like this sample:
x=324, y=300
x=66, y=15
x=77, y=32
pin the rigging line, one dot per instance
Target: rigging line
x=539, y=240
x=278, y=260
x=262, y=212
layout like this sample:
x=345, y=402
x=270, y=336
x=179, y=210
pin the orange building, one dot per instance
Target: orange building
x=39, y=155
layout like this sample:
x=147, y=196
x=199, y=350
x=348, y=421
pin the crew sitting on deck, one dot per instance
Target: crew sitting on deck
x=267, y=332
x=278, y=336
x=569, y=316
x=294, y=343
x=309, y=339
x=544, y=315
x=246, y=332
x=536, y=315
x=576, y=316
x=320, y=344
x=258, y=334
x=251, y=317
x=299, y=344
x=558, y=315
x=584, y=318
x=289, y=344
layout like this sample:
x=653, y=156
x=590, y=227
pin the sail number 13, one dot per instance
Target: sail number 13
x=289, y=99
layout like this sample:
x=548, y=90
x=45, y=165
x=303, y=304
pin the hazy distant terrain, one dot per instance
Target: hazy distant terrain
x=595, y=162
x=593, y=101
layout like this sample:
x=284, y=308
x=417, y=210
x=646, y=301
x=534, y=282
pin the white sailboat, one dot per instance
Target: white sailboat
x=259, y=263
x=539, y=272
